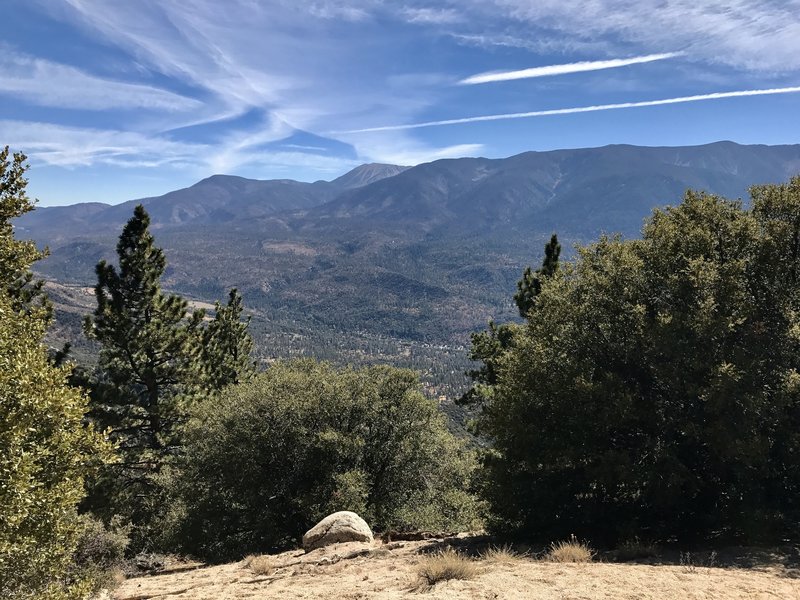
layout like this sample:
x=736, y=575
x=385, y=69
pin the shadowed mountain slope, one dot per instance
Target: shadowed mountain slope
x=581, y=191
x=215, y=200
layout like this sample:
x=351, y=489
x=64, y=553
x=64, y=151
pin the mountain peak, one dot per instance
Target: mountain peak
x=219, y=178
x=366, y=174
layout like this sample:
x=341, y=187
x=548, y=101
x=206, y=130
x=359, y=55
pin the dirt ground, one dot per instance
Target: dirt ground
x=390, y=570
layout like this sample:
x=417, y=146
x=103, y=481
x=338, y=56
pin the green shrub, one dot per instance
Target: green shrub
x=267, y=459
x=654, y=386
x=45, y=447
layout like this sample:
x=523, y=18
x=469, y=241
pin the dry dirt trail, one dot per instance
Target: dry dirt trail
x=389, y=570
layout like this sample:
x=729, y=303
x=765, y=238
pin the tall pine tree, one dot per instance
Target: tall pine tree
x=227, y=345
x=150, y=354
x=531, y=283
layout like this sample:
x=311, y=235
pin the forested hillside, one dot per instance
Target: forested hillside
x=390, y=263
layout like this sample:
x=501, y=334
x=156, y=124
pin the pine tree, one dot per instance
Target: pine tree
x=44, y=446
x=227, y=345
x=489, y=346
x=529, y=287
x=149, y=361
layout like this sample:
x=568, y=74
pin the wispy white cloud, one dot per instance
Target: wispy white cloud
x=304, y=147
x=73, y=147
x=47, y=83
x=345, y=65
x=331, y=10
x=433, y=16
x=564, y=69
x=579, y=109
x=246, y=54
x=539, y=44
x=756, y=35
x=76, y=146
x=239, y=148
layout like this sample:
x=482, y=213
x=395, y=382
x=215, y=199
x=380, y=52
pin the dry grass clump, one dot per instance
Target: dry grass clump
x=635, y=549
x=501, y=554
x=258, y=564
x=570, y=551
x=444, y=565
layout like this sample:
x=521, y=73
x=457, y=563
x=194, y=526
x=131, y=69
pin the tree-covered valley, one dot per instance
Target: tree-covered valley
x=388, y=264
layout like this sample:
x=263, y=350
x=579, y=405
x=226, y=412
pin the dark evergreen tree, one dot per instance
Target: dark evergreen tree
x=149, y=365
x=654, y=388
x=488, y=347
x=529, y=287
x=227, y=345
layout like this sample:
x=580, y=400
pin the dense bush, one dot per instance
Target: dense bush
x=654, y=389
x=43, y=452
x=268, y=458
x=45, y=449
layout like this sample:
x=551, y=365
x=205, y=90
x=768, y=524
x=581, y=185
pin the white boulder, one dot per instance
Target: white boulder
x=343, y=526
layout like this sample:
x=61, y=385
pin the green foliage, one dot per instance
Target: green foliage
x=45, y=449
x=149, y=367
x=529, y=287
x=655, y=387
x=17, y=256
x=267, y=459
x=489, y=347
x=227, y=345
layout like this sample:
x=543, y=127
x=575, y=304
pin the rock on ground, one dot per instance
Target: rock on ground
x=343, y=526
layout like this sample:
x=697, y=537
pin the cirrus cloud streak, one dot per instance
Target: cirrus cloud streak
x=576, y=67
x=578, y=109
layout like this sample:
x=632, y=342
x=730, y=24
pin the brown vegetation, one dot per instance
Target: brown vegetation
x=502, y=555
x=445, y=565
x=258, y=564
x=570, y=551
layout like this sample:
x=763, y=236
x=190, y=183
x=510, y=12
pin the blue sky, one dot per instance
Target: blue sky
x=116, y=100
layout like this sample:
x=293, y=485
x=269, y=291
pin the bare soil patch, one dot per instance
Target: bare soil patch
x=289, y=248
x=356, y=571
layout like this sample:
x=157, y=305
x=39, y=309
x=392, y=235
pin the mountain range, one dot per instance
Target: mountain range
x=420, y=255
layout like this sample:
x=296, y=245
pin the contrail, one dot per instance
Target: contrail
x=579, y=109
x=578, y=67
